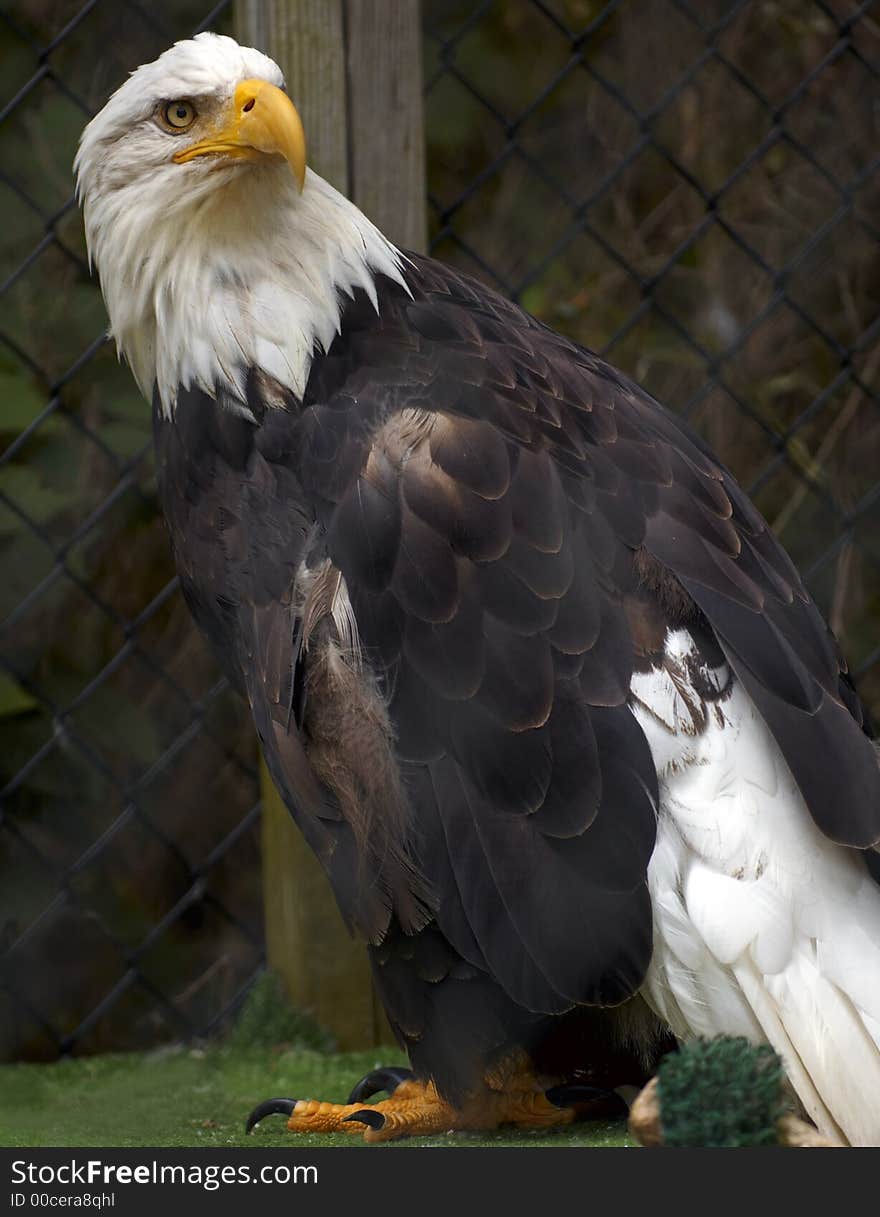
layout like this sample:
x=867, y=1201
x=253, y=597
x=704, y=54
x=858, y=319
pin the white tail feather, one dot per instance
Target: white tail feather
x=763, y=927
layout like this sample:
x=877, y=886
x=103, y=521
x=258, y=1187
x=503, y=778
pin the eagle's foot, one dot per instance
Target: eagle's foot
x=413, y=1108
x=416, y=1109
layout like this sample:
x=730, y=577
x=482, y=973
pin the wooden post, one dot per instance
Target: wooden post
x=354, y=70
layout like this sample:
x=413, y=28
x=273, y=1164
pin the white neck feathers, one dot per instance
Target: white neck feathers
x=240, y=273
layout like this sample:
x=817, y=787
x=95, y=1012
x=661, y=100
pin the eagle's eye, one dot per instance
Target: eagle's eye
x=178, y=115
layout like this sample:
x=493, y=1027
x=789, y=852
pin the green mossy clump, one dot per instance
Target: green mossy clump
x=267, y=1020
x=721, y=1093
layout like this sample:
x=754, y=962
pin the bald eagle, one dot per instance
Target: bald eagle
x=547, y=699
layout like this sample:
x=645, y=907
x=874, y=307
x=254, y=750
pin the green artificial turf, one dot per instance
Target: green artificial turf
x=191, y=1097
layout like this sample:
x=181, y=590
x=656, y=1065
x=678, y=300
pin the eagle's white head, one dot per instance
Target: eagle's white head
x=218, y=250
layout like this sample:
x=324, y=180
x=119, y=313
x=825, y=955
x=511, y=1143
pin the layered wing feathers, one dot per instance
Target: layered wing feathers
x=501, y=507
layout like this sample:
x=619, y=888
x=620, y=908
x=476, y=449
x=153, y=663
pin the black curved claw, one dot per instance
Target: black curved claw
x=271, y=1107
x=577, y=1095
x=371, y=1083
x=373, y=1119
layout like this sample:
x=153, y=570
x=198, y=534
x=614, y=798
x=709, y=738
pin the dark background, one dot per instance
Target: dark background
x=690, y=188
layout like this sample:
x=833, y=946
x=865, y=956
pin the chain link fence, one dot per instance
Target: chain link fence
x=690, y=188
x=129, y=845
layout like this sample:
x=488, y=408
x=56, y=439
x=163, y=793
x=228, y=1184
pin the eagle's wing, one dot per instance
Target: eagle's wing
x=240, y=530
x=510, y=517
x=449, y=562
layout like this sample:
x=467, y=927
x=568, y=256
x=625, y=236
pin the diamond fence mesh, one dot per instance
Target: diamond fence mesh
x=690, y=188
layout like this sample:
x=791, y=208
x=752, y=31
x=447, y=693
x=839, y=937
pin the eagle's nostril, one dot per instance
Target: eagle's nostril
x=249, y=104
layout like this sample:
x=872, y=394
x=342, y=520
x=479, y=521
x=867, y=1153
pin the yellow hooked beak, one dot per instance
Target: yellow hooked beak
x=260, y=121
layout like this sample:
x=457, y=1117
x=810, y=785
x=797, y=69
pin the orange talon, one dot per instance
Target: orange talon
x=416, y=1109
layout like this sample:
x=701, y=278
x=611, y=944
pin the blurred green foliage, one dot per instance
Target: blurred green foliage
x=722, y=251
x=267, y=1020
